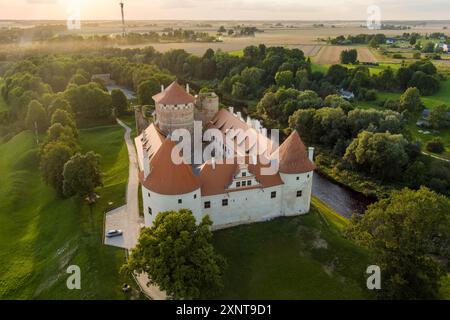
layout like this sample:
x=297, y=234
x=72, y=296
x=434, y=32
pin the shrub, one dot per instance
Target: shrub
x=435, y=146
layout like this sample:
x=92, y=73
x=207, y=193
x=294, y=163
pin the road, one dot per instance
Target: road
x=126, y=218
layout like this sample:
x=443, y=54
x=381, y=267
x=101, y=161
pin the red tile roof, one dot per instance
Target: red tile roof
x=167, y=177
x=293, y=156
x=218, y=180
x=174, y=94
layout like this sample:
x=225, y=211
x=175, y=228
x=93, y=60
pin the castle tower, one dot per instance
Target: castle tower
x=174, y=108
x=207, y=106
x=169, y=184
x=296, y=170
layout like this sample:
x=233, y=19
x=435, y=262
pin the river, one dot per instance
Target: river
x=343, y=200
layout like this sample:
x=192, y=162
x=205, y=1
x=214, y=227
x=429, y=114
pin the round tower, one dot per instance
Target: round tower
x=207, y=105
x=174, y=108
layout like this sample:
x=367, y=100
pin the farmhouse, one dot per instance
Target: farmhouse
x=238, y=188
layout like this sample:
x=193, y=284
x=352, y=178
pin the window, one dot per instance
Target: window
x=238, y=184
x=195, y=196
x=224, y=202
x=243, y=183
x=180, y=201
x=244, y=174
x=308, y=175
x=299, y=193
x=298, y=178
x=148, y=194
x=249, y=182
x=207, y=204
x=273, y=194
x=149, y=211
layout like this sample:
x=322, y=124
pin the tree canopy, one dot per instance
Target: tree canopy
x=406, y=233
x=178, y=256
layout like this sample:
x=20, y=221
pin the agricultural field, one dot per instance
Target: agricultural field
x=331, y=54
x=41, y=234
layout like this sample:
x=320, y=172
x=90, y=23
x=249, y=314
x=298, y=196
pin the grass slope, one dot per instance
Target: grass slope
x=3, y=106
x=41, y=235
x=303, y=257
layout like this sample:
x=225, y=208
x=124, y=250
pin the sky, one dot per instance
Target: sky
x=225, y=9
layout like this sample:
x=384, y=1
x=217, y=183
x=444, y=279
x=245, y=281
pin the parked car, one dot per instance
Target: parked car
x=113, y=233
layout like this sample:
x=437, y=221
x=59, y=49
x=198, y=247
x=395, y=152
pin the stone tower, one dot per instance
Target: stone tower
x=207, y=106
x=174, y=108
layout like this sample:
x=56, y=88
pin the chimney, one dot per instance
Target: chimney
x=146, y=164
x=162, y=88
x=239, y=115
x=213, y=163
x=311, y=154
x=187, y=88
x=231, y=109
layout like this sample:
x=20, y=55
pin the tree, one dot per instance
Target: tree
x=435, y=145
x=405, y=233
x=284, y=79
x=439, y=117
x=78, y=79
x=59, y=104
x=53, y=158
x=65, y=119
x=82, y=175
x=336, y=74
x=410, y=101
x=427, y=84
x=178, y=256
x=146, y=90
x=380, y=154
x=89, y=101
x=61, y=133
x=119, y=101
x=349, y=56
x=36, y=117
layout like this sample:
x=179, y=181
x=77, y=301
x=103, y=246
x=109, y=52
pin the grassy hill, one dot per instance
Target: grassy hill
x=41, y=235
x=302, y=257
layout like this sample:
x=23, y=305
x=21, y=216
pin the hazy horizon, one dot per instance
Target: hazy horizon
x=221, y=10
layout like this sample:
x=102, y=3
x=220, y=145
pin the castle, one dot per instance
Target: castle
x=230, y=192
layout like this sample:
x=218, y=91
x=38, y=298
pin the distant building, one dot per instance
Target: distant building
x=390, y=41
x=347, y=95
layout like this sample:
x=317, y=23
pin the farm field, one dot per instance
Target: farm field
x=303, y=257
x=41, y=235
x=331, y=54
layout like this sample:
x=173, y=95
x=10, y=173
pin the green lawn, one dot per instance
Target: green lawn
x=41, y=235
x=303, y=257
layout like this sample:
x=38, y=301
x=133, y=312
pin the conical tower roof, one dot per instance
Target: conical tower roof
x=293, y=156
x=174, y=94
x=170, y=176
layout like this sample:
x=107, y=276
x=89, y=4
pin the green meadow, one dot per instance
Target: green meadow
x=41, y=234
x=303, y=257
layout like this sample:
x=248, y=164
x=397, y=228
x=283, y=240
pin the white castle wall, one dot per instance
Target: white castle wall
x=293, y=205
x=160, y=203
x=244, y=206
